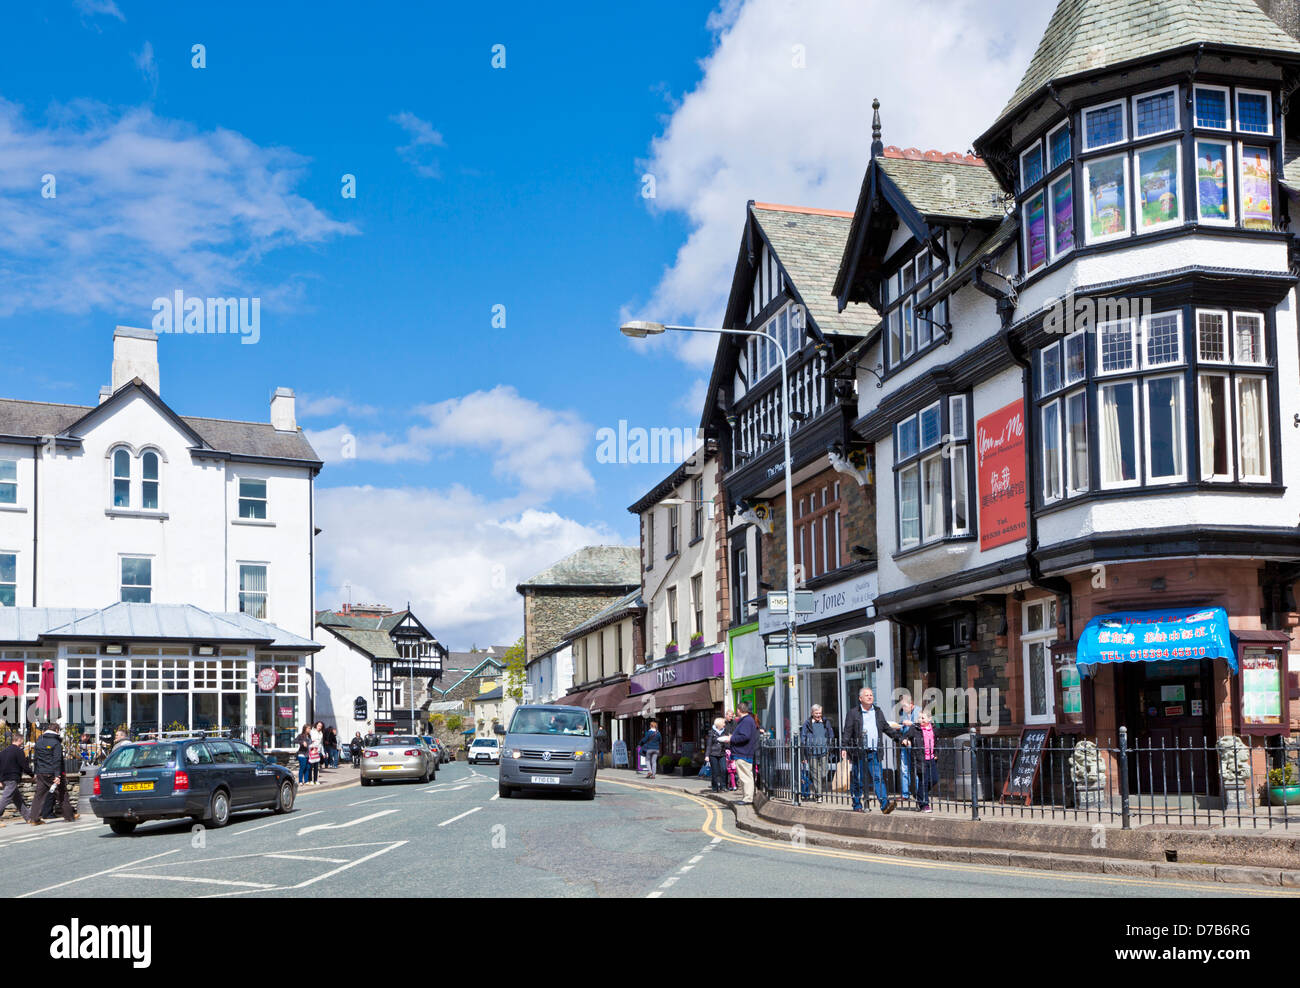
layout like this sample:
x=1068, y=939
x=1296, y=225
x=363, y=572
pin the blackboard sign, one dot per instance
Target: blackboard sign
x=359, y=708
x=620, y=753
x=1025, y=764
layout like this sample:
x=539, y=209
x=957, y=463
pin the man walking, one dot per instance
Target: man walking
x=816, y=739
x=864, y=730
x=47, y=760
x=602, y=744
x=14, y=764
x=743, y=740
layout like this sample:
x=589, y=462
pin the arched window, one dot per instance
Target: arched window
x=149, y=485
x=121, y=479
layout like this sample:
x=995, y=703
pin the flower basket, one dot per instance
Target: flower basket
x=670, y=650
x=696, y=641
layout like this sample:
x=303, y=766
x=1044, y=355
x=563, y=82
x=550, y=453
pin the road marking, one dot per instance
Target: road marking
x=350, y=823
x=283, y=819
x=350, y=864
x=201, y=881
x=461, y=817
x=305, y=857
x=373, y=799
x=697, y=858
x=463, y=785
x=263, y=854
x=655, y=894
x=106, y=871
x=715, y=827
x=495, y=795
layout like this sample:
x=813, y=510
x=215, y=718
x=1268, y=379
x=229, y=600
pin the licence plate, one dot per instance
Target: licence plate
x=389, y=767
x=136, y=787
x=552, y=780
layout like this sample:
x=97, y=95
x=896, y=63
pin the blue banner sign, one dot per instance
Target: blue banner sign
x=1177, y=634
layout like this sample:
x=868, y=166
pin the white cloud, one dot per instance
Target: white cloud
x=692, y=402
x=142, y=206
x=757, y=127
x=319, y=406
x=423, y=137
x=454, y=554
x=540, y=450
x=93, y=8
x=148, y=67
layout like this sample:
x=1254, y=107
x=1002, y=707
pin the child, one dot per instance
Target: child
x=928, y=771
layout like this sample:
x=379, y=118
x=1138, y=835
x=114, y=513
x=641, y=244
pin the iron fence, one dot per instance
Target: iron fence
x=1227, y=782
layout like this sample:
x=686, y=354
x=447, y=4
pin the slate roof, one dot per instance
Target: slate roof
x=1085, y=35
x=1291, y=164
x=629, y=604
x=809, y=244
x=375, y=643
x=338, y=619
x=151, y=622
x=593, y=566
x=940, y=186
x=33, y=419
x=489, y=695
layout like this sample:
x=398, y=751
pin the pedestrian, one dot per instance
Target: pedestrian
x=743, y=739
x=817, y=739
x=318, y=739
x=730, y=718
x=927, y=774
x=908, y=719
x=14, y=764
x=865, y=728
x=356, y=748
x=716, y=749
x=650, y=747
x=47, y=765
x=602, y=745
x=332, y=746
x=304, y=745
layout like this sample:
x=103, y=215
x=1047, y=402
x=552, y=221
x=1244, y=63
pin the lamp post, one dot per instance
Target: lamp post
x=640, y=329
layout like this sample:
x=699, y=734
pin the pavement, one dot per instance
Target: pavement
x=1231, y=856
x=456, y=837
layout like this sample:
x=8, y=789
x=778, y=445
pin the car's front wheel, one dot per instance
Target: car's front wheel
x=122, y=827
x=219, y=809
x=285, y=803
x=504, y=791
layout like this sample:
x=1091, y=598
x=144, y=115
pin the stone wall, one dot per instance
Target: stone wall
x=550, y=614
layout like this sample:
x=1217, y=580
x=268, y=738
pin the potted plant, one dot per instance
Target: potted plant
x=1283, y=786
x=670, y=650
x=684, y=763
x=666, y=763
x=697, y=640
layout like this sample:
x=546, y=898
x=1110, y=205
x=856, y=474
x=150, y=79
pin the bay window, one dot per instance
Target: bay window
x=911, y=323
x=1117, y=449
x=1164, y=415
x=932, y=470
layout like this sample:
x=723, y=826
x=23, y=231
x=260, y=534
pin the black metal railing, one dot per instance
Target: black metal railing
x=1228, y=782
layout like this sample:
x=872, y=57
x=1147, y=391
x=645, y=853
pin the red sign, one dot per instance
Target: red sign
x=267, y=677
x=257, y=740
x=286, y=711
x=1000, y=475
x=12, y=678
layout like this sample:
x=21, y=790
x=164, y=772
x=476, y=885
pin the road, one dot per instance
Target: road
x=455, y=837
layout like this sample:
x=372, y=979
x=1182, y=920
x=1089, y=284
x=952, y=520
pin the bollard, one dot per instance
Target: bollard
x=1123, y=776
x=974, y=776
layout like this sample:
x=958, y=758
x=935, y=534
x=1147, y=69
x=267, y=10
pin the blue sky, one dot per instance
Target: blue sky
x=476, y=187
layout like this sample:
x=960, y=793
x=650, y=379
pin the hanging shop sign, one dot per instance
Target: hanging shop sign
x=1000, y=475
x=267, y=678
x=359, y=707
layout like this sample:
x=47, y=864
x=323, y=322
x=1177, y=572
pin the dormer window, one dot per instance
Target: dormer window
x=913, y=326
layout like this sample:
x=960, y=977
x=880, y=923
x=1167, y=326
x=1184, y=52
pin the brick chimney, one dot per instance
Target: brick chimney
x=283, y=414
x=135, y=354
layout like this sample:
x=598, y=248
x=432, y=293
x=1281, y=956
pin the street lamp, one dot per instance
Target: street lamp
x=639, y=329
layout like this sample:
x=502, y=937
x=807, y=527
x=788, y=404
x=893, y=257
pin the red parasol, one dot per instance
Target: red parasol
x=46, y=706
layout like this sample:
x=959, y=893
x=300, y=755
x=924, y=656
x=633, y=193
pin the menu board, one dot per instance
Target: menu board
x=1026, y=763
x=1261, y=686
x=1071, y=691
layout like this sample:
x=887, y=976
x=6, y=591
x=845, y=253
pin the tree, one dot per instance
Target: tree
x=455, y=723
x=515, y=671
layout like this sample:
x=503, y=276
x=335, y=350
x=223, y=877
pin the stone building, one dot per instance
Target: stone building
x=564, y=595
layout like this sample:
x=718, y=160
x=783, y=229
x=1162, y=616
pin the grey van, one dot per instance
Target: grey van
x=548, y=747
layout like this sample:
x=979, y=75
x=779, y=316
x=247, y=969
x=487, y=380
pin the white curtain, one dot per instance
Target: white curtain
x=933, y=485
x=1251, y=395
x=1112, y=460
x=1207, y=426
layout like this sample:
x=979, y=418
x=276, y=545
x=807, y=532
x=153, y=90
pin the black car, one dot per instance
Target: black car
x=203, y=778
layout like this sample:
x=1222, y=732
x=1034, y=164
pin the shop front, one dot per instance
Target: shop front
x=751, y=680
x=684, y=697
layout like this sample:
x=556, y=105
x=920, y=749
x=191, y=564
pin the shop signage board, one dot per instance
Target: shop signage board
x=1261, y=686
x=359, y=707
x=856, y=594
x=12, y=678
x=620, y=753
x=778, y=652
x=1000, y=475
x=686, y=671
x=1025, y=764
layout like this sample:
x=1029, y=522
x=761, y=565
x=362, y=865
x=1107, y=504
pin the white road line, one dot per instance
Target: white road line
x=655, y=894
x=686, y=868
x=350, y=864
x=461, y=817
x=263, y=854
x=305, y=857
x=106, y=871
x=696, y=859
x=283, y=819
x=350, y=823
x=670, y=881
x=373, y=799
x=261, y=886
x=716, y=840
x=495, y=795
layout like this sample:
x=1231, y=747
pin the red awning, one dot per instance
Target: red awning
x=578, y=699
x=692, y=696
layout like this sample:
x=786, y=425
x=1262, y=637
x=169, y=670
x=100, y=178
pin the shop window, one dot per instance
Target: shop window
x=1038, y=632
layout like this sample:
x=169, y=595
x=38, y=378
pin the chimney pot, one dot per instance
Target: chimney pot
x=135, y=357
x=283, y=415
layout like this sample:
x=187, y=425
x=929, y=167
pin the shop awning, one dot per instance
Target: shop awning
x=600, y=700
x=692, y=696
x=578, y=699
x=1176, y=634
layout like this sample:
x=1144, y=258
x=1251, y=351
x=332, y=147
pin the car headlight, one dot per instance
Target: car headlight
x=512, y=753
x=582, y=756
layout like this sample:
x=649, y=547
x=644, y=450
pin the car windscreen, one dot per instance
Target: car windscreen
x=570, y=723
x=485, y=743
x=141, y=756
x=398, y=742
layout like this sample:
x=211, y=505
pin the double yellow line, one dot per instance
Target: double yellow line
x=715, y=826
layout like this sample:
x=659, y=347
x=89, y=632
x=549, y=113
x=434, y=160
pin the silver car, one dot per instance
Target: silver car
x=398, y=756
x=548, y=747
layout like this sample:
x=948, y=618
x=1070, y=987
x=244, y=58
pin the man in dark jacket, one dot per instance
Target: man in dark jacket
x=14, y=764
x=602, y=745
x=743, y=740
x=864, y=730
x=47, y=760
x=816, y=739
x=716, y=750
